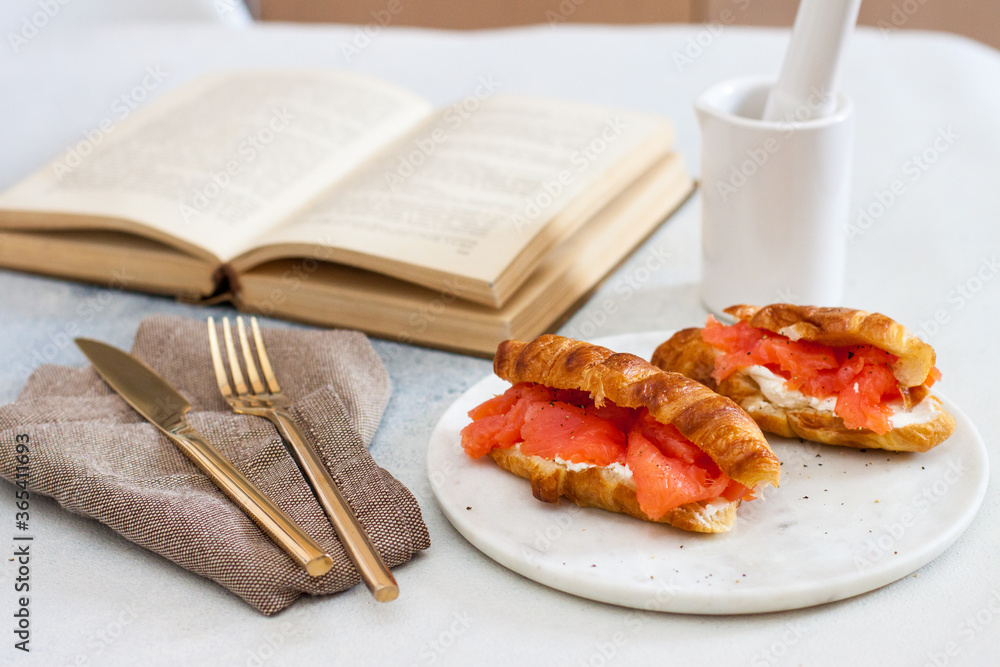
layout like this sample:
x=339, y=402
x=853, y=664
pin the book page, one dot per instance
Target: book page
x=218, y=161
x=467, y=191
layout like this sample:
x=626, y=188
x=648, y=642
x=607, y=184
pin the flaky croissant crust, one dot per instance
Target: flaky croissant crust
x=845, y=326
x=715, y=424
x=602, y=488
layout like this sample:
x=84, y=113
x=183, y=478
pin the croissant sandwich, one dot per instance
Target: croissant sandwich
x=832, y=375
x=612, y=431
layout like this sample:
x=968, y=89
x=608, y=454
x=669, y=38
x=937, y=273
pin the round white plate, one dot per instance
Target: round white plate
x=843, y=522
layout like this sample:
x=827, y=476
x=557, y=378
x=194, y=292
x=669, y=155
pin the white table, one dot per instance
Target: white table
x=98, y=600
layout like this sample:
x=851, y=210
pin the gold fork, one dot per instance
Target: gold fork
x=267, y=400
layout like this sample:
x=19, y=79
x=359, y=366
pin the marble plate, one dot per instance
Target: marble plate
x=843, y=522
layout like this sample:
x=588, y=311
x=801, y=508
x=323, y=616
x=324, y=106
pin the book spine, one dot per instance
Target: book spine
x=226, y=289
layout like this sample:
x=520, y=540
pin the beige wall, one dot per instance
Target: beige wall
x=979, y=19
x=478, y=13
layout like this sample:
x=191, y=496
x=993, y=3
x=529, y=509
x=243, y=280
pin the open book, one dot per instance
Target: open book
x=340, y=200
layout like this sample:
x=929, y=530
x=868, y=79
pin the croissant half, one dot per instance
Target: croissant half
x=927, y=423
x=713, y=423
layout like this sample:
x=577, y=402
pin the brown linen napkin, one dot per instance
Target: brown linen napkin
x=97, y=457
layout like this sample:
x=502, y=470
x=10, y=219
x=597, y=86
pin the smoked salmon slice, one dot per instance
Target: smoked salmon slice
x=668, y=469
x=663, y=482
x=859, y=376
x=572, y=433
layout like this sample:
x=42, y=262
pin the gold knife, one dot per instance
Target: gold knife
x=153, y=398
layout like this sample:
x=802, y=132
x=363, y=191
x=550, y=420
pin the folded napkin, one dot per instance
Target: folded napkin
x=99, y=458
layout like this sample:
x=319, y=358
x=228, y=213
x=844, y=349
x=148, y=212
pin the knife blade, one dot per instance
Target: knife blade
x=163, y=406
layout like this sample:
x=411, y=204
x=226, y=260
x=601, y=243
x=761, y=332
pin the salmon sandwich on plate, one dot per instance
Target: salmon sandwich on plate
x=832, y=375
x=612, y=431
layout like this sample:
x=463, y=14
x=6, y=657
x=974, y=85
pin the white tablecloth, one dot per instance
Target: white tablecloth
x=930, y=253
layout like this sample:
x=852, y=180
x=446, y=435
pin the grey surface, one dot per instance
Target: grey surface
x=98, y=600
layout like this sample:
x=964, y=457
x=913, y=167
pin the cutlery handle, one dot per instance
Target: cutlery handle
x=244, y=493
x=358, y=546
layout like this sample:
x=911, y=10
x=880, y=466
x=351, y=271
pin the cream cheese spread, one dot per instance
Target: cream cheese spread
x=774, y=389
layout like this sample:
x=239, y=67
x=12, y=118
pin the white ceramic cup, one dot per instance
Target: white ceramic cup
x=775, y=199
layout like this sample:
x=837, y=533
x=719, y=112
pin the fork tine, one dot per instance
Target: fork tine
x=221, y=378
x=255, y=382
x=265, y=363
x=234, y=362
